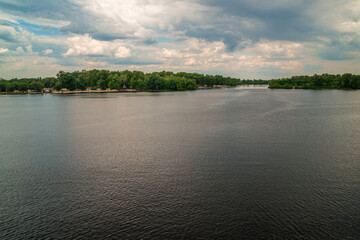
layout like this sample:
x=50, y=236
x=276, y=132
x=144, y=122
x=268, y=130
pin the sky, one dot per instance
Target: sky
x=248, y=39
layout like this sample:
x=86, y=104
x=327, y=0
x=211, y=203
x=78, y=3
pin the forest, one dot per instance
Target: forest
x=117, y=80
x=324, y=81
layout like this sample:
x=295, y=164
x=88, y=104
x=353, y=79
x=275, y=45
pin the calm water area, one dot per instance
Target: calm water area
x=247, y=162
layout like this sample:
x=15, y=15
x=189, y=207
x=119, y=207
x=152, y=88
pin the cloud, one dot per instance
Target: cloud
x=277, y=49
x=47, y=51
x=122, y=52
x=85, y=45
x=5, y=23
x=236, y=37
x=19, y=50
x=95, y=64
x=134, y=19
x=312, y=68
x=17, y=66
x=4, y=50
x=8, y=34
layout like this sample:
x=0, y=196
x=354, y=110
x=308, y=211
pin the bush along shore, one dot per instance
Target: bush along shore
x=324, y=81
x=119, y=81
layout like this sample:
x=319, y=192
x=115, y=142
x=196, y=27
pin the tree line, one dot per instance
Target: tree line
x=327, y=81
x=105, y=79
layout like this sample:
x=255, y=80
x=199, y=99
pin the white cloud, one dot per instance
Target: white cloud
x=30, y=66
x=122, y=52
x=19, y=50
x=196, y=52
x=81, y=45
x=47, y=51
x=17, y=66
x=4, y=50
x=29, y=49
x=277, y=49
x=95, y=64
x=136, y=19
x=85, y=45
x=339, y=18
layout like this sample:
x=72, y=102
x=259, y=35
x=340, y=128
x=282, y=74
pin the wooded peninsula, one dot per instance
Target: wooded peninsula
x=102, y=80
x=324, y=81
x=121, y=80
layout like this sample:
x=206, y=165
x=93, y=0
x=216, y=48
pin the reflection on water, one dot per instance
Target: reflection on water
x=223, y=163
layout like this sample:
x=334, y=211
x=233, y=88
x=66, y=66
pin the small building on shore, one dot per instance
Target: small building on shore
x=48, y=90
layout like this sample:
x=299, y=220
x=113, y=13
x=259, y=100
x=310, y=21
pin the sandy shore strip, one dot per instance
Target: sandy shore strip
x=94, y=91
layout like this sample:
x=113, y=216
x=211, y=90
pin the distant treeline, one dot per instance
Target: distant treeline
x=104, y=79
x=254, y=82
x=328, y=81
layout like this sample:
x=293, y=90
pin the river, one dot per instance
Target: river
x=246, y=162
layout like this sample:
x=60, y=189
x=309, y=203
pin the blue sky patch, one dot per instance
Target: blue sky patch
x=38, y=29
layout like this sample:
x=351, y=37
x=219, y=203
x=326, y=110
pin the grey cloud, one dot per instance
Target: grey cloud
x=45, y=28
x=7, y=35
x=124, y=61
x=4, y=23
x=58, y=49
x=273, y=20
x=88, y=23
x=51, y=9
x=313, y=68
x=133, y=62
x=340, y=47
x=336, y=54
x=68, y=62
x=233, y=21
x=288, y=21
x=276, y=59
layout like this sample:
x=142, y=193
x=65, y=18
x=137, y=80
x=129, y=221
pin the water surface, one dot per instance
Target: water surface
x=227, y=163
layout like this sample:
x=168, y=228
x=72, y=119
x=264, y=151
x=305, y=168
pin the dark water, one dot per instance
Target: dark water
x=215, y=164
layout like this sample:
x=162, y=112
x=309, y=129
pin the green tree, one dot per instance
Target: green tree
x=67, y=80
x=36, y=86
x=191, y=84
x=23, y=86
x=58, y=85
x=2, y=86
x=10, y=87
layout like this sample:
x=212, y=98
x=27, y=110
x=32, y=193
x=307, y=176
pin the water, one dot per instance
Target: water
x=228, y=163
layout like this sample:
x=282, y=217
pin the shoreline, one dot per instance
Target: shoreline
x=93, y=91
x=116, y=91
x=311, y=88
x=111, y=91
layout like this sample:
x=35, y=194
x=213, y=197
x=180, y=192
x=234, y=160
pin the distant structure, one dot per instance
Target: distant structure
x=48, y=90
x=1, y=79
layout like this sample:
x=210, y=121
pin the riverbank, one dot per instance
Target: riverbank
x=110, y=91
x=120, y=91
x=309, y=88
x=20, y=93
x=94, y=91
x=324, y=81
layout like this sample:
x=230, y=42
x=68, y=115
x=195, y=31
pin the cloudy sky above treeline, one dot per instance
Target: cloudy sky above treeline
x=238, y=38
